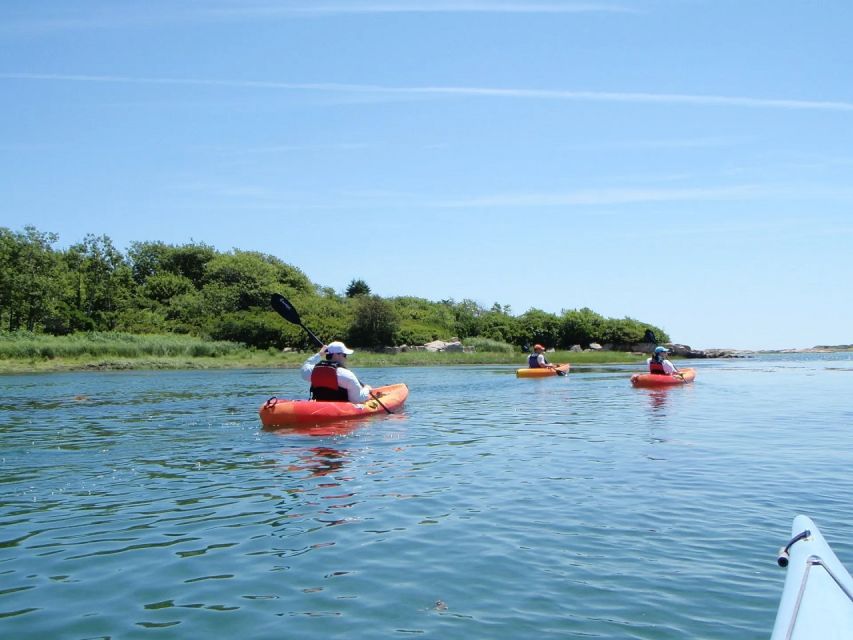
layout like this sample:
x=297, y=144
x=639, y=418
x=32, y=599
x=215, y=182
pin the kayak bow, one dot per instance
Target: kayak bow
x=817, y=599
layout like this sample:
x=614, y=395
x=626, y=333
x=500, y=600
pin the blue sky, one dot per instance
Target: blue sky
x=684, y=162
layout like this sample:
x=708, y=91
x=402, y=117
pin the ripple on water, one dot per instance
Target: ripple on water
x=491, y=507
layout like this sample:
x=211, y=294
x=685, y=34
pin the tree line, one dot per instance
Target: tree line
x=158, y=288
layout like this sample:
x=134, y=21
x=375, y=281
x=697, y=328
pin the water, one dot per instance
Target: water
x=151, y=504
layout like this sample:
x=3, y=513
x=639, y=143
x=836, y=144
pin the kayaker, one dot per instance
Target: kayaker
x=659, y=365
x=330, y=379
x=537, y=360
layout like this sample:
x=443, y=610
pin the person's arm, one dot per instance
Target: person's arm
x=308, y=365
x=356, y=393
x=669, y=367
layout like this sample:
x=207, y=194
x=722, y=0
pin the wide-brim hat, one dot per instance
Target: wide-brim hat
x=338, y=347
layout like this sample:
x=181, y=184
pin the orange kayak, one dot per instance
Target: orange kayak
x=657, y=380
x=278, y=412
x=542, y=372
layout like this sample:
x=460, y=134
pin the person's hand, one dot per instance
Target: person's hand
x=322, y=351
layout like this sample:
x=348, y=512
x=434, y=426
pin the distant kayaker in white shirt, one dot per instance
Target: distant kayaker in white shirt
x=537, y=360
x=330, y=379
x=658, y=364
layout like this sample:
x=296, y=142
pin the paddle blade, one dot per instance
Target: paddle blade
x=283, y=308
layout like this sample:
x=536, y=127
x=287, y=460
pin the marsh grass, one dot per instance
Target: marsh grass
x=27, y=352
x=28, y=346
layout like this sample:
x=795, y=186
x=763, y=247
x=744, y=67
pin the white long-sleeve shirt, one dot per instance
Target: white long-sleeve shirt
x=356, y=393
x=667, y=365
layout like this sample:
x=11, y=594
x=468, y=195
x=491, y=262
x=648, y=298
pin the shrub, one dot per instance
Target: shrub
x=487, y=345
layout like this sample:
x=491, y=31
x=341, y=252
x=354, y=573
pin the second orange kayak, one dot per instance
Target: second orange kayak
x=542, y=372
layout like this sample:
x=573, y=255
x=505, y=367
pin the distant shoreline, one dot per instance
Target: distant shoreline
x=819, y=349
x=363, y=359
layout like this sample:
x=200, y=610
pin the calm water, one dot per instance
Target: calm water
x=152, y=505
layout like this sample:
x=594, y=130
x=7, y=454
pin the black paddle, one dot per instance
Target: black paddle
x=282, y=307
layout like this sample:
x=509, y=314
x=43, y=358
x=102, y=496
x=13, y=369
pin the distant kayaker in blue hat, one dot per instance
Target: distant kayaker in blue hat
x=537, y=360
x=659, y=365
x=330, y=379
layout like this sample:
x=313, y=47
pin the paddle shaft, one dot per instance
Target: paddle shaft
x=282, y=306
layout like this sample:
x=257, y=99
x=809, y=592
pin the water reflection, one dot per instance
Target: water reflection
x=320, y=461
x=323, y=429
x=658, y=401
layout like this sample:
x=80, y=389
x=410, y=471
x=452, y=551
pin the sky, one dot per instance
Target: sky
x=687, y=163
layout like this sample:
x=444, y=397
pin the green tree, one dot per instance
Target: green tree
x=580, y=326
x=240, y=280
x=497, y=324
x=256, y=328
x=163, y=287
x=537, y=326
x=191, y=260
x=153, y=258
x=375, y=323
x=357, y=288
x=104, y=283
x=468, y=317
x=422, y=320
x=29, y=285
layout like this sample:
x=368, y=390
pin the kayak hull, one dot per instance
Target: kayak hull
x=542, y=372
x=817, y=599
x=279, y=412
x=653, y=380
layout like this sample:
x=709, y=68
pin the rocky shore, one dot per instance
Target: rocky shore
x=455, y=345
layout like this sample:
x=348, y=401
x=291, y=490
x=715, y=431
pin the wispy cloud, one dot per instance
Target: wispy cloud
x=483, y=6
x=379, y=91
x=661, y=143
x=612, y=196
x=109, y=15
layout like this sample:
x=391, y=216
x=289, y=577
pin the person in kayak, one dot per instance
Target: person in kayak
x=659, y=365
x=537, y=360
x=330, y=379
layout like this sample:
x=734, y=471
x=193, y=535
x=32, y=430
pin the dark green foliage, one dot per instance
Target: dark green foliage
x=194, y=289
x=357, y=288
x=422, y=321
x=256, y=328
x=375, y=323
x=498, y=325
x=536, y=326
x=163, y=287
x=580, y=326
x=28, y=282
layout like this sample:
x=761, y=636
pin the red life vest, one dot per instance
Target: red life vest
x=656, y=368
x=324, y=383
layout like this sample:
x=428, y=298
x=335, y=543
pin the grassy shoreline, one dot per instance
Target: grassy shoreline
x=264, y=360
x=116, y=352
